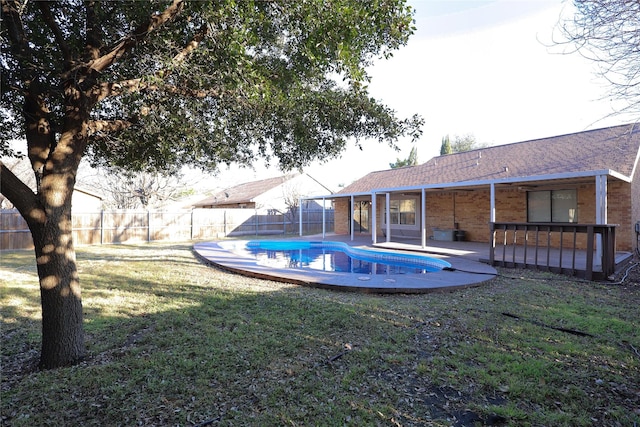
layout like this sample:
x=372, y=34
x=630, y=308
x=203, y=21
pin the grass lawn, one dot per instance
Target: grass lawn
x=171, y=341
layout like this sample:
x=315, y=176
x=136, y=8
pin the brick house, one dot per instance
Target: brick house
x=581, y=178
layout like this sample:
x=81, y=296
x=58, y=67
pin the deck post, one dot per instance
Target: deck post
x=601, y=210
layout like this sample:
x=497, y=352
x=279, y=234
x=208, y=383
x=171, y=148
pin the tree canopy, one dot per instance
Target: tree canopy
x=203, y=83
x=156, y=85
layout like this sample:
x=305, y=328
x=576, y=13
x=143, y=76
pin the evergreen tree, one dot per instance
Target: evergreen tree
x=445, y=148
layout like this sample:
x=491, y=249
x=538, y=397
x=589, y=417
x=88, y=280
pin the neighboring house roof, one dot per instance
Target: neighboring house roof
x=244, y=193
x=613, y=149
x=88, y=192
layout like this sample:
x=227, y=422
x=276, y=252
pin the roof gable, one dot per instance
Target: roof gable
x=614, y=149
x=244, y=193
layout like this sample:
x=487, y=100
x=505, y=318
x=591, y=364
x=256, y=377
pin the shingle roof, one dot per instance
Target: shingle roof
x=613, y=148
x=244, y=193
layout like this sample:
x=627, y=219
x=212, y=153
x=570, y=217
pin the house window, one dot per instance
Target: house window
x=402, y=212
x=552, y=206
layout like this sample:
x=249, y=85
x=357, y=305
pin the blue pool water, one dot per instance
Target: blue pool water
x=333, y=256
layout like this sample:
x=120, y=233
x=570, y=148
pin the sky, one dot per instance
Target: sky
x=485, y=68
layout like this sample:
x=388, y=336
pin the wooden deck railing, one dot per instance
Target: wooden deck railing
x=582, y=250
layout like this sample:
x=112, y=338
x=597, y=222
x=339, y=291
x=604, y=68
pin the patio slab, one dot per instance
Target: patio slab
x=466, y=272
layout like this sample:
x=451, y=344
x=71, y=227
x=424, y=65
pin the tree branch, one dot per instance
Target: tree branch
x=155, y=21
x=107, y=126
x=192, y=45
x=45, y=8
x=94, y=39
x=15, y=32
x=20, y=195
x=136, y=85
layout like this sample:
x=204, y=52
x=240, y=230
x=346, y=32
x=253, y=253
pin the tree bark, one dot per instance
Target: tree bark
x=62, y=330
x=48, y=215
x=50, y=225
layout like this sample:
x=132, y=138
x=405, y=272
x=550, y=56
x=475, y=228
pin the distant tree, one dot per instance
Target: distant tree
x=134, y=190
x=412, y=160
x=606, y=31
x=445, y=148
x=466, y=143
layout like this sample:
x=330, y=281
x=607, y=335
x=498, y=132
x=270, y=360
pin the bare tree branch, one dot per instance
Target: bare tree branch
x=607, y=32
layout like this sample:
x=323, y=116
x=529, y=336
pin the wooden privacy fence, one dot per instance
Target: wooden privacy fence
x=582, y=250
x=105, y=227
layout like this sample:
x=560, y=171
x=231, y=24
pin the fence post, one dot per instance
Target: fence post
x=149, y=225
x=191, y=233
x=102, y=226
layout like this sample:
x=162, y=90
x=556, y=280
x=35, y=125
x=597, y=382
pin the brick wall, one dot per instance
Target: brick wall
x=341, y=207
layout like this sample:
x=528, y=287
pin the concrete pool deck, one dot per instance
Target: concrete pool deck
x=467, y=272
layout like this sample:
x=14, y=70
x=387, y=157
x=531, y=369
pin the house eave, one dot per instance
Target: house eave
x=481, y=183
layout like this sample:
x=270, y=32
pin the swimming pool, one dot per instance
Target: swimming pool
x=332, y=257
x=233, y=256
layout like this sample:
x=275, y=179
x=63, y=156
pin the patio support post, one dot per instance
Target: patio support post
x=300, y=215
x=601, y=210
x=374, y=219
x=324, y=216
x=388, y=216
x=423, y=209
x=351, y=226
x=492, y=213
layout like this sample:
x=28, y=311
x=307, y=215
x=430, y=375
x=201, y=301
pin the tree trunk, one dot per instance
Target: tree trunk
x=62, y=330
x=48, y=214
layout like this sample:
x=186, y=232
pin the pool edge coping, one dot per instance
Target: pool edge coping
x=213, y=254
